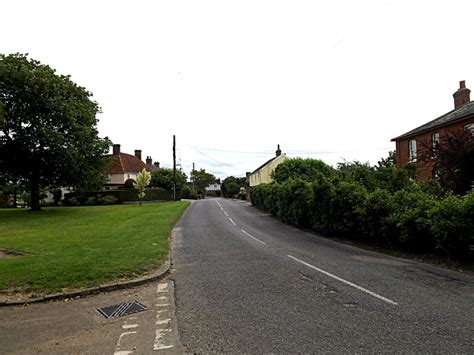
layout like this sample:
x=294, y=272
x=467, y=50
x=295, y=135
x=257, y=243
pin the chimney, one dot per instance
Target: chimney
x=116, y=149
x=157, y=164
x=138, y=154
x=148, y=160
x=278, y=151
x=461, y=97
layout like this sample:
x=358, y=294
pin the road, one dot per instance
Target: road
x=245, y=282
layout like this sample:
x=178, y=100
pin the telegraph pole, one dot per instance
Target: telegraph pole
x=174, y=167
x=192, y=174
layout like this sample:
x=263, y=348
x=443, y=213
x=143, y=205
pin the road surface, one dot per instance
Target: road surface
x=245, y=282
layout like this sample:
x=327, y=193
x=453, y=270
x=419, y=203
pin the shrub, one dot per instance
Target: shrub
x=128, y=184
x=109, y=200
x=186, y=192
x=377, y=224
x=292, y=203
x=91, y=201
x=453, y=225
x=72, y=201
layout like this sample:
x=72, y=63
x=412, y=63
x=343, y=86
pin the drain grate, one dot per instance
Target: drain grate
x=122, y=309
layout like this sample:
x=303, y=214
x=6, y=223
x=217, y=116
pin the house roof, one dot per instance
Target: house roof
x=450, y=117
x=266, y=163
x=125, y=163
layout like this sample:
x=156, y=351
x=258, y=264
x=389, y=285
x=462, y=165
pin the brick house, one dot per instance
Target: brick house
x=125, y=166
x=412, y=145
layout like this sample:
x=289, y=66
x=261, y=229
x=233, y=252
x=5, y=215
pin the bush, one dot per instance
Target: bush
x=72, y=201
x=186, y=192
x=109, y=200
x=121, y=196
x=91, y=201
x=453, y=225
x=128, y=185
x=377, y=224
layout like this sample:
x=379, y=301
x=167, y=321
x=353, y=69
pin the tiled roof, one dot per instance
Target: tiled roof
x=125, y=163
x=450, y=117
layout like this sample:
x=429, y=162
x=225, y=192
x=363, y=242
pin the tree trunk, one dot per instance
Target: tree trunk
x=14, y=197
x=35, y=191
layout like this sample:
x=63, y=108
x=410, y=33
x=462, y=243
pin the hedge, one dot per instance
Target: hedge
x=120, y=196
x=410, y=219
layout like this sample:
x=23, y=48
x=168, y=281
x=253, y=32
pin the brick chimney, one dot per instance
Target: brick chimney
x=148, y=160
x=116, y=149
x=461, y=97
x=278, y=151
x=138, y=154
x=157, y=164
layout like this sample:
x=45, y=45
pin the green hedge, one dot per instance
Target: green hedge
x=117, y=196
x=410, y=219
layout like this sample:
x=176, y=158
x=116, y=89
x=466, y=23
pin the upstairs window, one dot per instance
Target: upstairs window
x=412, y=150
x=470, y=127
x=435, y=139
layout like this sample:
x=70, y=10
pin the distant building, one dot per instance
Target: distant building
x=262, y=175
x=213, y=187
x=412, y=145
x=125, y=166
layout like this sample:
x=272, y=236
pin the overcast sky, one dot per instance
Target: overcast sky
x=331, y=80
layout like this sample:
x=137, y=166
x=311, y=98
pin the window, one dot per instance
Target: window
x=470, y=127
x=435, y=139
x=412, y=150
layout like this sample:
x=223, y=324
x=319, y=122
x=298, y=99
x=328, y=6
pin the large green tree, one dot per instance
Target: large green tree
x=202, y=179
x=231, y=185
x=48, y=128
x=163, y=177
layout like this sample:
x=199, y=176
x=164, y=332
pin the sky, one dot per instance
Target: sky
x=331, y=80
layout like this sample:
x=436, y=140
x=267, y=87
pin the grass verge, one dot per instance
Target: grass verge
x=59, y=249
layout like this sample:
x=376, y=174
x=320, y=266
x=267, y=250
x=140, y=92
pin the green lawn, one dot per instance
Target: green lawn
x=67, y=248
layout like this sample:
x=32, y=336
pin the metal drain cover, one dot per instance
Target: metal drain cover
x=122, y=309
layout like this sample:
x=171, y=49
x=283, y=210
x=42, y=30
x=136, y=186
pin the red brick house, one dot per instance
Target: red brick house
x=413, y=144
x=126, y=166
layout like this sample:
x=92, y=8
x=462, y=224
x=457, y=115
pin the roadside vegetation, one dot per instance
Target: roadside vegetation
x=64, y=248
x=381, y=205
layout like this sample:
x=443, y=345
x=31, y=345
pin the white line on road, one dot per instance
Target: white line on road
x=231, y=221
x=129, y=326
x=344, y=281
x=251, y=236
x=226, y=213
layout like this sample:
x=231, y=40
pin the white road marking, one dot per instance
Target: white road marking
x=129, y=326
x=373, y=294
x=226, y=213
x=231, y=221
x=123, y=352
x=251, y=236
x=163, y=298
x=162, y=304
x=159, y=343
x=162, y=287
x=164, y=321
x=117, y=346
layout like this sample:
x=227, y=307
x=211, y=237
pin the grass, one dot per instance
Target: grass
x=67, y=248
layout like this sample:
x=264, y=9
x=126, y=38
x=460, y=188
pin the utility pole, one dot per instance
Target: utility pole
x=174, y=167
x=192, y=175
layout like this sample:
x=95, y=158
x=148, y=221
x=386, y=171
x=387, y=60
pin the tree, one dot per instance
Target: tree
x=48, y=134
x=201, y=180
x=453, y=161
x=231, y=185
x=163, y=177
x=305, y=169
x=142, y=181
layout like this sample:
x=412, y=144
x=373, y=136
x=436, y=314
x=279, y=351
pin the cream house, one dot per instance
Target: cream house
x=262, y=175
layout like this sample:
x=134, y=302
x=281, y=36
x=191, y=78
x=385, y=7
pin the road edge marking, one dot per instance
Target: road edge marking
x=373, y=294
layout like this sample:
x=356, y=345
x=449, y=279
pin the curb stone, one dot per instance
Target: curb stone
x=162, y=271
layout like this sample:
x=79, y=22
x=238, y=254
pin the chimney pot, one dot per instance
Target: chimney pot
x=462, y=95
x=138, y=154
x=157, y=164
x=148, y=160
x=278, y=151
x=116, y=149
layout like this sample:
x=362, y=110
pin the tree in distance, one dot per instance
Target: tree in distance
x=201, y=180
x=48, y=129
x=163, y=177
x=142, y=181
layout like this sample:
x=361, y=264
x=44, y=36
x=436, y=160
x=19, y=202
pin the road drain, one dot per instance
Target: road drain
x=122, y=309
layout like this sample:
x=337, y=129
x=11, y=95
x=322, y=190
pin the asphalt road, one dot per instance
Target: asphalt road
x=245, y=282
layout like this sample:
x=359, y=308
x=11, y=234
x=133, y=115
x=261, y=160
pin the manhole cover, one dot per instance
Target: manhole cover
x=122, y=309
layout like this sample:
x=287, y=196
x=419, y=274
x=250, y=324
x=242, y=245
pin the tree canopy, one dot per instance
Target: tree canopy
x=304, y=169
x=48, y=128
x=231, y=185
x=202, y=179
x=163, y=177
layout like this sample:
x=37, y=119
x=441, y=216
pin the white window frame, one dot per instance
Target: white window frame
x=470, y=127
x=412, y=150
x=435, y=139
